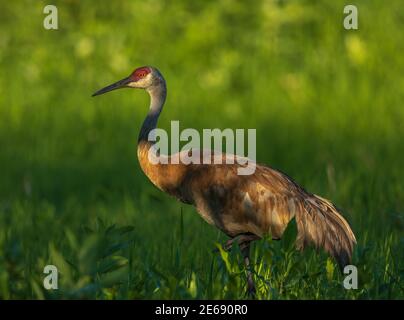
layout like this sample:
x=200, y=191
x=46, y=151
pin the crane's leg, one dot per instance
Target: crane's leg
x=242, y=240
x=250, y=281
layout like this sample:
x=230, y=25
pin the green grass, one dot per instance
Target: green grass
x=327, y=105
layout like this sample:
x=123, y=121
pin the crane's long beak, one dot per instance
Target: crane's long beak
x=117, y=85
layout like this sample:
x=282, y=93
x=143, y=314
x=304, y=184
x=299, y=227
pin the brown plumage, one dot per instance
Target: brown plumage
x=245, y=207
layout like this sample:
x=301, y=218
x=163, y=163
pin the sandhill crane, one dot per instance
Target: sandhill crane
x=244, y=207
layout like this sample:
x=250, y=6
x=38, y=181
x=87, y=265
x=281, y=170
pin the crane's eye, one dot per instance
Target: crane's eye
x=141, y=74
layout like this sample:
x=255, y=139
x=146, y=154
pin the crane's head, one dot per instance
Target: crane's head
x=141, y=78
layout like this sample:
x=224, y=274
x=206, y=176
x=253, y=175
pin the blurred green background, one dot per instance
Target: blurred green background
x=327, y=104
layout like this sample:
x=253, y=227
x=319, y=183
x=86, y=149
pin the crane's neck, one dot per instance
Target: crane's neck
x=155, y=172
x=158, y=95
x=165, y=176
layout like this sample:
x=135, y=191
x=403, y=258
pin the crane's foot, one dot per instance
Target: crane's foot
x=251, y=291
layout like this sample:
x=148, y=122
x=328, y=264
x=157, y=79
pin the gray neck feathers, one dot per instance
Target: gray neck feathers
x=158, y=95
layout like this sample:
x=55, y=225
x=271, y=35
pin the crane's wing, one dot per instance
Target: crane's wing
x=264, y=203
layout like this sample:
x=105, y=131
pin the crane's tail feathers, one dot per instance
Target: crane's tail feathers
x=322, y=225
